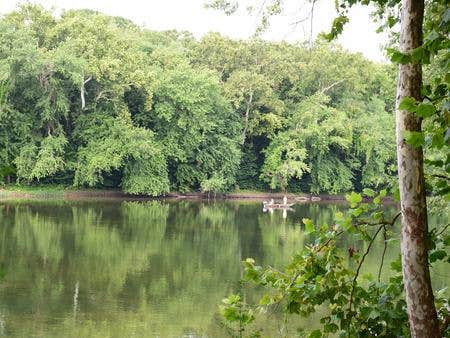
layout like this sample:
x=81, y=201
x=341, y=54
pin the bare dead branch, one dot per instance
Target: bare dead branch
x=82, y=92
x=323, y=90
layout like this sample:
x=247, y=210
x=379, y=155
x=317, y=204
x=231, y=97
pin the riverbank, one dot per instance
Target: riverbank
x=260, y=196
x=30, y=192
x=53, y=192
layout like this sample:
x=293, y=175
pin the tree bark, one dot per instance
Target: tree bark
x=416, y=274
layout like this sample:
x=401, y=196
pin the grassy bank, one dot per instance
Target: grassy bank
x=60, y=191
x=54, y=191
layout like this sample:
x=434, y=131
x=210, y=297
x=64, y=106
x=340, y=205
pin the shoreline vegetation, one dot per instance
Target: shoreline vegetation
x=48, y=192
x=94, y=101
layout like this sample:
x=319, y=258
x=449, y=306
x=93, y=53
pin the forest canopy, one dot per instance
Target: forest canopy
x=96, y=101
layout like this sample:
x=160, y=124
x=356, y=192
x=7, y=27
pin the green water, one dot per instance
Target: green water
x=139, y=269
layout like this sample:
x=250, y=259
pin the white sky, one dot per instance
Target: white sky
x=359, y=35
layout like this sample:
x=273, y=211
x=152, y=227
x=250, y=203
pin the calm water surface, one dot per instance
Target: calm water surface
x=139, y=269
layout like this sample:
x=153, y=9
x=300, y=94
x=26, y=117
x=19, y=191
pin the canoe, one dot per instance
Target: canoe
x=277, y=206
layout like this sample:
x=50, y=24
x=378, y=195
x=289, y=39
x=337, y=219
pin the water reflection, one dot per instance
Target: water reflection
x=143, y=269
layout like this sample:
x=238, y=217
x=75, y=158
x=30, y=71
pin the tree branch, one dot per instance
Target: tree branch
x=390, y=223
x=329, y=240
x=384, y=253
x=323, y=90
x=443, y=230
x=295, y=23
x=82, y=91
x=313, y=3
x=445, y=177
x=350, y=303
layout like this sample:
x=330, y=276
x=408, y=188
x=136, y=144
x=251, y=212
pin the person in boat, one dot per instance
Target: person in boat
x=269, y=203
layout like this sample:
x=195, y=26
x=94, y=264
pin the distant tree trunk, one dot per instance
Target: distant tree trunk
x=416, y=274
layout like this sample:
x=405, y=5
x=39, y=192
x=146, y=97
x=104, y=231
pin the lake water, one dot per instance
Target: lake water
x=139, y=269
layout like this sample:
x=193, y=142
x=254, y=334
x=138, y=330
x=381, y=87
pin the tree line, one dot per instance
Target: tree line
x=96, y=101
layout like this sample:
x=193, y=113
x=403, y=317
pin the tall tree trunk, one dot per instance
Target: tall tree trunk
x=416, y=274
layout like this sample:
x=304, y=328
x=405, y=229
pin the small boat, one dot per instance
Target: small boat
x=271, y=205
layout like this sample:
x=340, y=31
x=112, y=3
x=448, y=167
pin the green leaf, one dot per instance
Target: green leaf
x=426, y=90
x=315, y=334
x=447, y=78
x=437, y=255
x=420, y=55
x=353, y=198
x=438, y=140
x=396, y=265
x=331, y=327
x=414, y=138
x=425, y=110
x=265, y=300
x=368, y=192
x=309, y=226
x=408, y=104
x=336, y=28
x=396, y=194
x=347, y=224
x=377, y=215
x=357, y=212
x=398, y=57
x=447, y=240
x=392, y=20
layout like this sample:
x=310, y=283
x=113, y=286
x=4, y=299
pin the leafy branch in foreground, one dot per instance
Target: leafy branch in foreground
x=327, y=276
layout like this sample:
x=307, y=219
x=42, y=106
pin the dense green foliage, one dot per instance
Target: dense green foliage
x=91, y=100
x=326, y=279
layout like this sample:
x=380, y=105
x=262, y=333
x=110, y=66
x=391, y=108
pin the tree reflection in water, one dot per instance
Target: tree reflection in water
x=144, y=269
